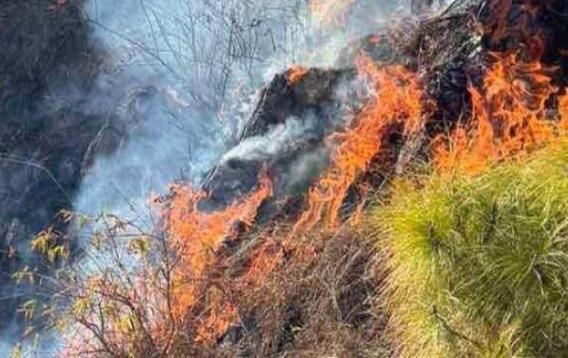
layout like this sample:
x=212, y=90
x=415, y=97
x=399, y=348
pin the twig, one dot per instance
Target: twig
x=27, y=162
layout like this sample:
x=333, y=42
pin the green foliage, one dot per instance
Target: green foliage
x=478, y=266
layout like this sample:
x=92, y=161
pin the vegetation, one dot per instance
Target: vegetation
x=479, y=265
x=318, y=300
x=475, y=266
x=319, y=305
x=464, y=260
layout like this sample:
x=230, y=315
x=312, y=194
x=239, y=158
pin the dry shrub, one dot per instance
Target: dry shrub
x=309, y=297
x=322, y=306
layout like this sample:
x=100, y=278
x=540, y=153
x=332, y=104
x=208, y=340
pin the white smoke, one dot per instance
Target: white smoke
x=208, y=59
x=280, y=138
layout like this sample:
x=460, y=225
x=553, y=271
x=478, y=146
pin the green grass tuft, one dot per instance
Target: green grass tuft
x=478, y=266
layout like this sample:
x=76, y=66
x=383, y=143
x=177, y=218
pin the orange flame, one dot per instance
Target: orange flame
x=497, y=26
x=509, y=117
x=296, y=73
x=516, y=29
x=263, y=261
x=563, y=112
x=196, y=235
x=219, y=317
x=398, y=100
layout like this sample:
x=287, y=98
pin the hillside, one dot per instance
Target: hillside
x=349, y=185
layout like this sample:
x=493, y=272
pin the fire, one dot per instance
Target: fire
x=563, y=113
x=509, y=117
x=196, y=235
x=398, y=99
x=330, y=12
x=263, y=261
x=296, y=73
x=220, y=315
x=498, y=26
x=221, y=312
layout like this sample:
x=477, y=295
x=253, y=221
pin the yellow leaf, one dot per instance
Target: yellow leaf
x=80, y=307
x=16, y=351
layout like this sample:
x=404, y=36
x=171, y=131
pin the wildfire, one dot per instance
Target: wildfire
x=398, y=99
x=147, y=308
x=500, y=27
x=220, y=315
x=509, y=117
x=563, y=112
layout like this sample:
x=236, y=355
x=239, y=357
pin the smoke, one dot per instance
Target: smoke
x=193, y=68
x=201, y=62
x=163, y=143
x=181, y=80
x=358, y=19
x=280, y=138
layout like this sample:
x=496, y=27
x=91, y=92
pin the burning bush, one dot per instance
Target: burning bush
x=139, y=298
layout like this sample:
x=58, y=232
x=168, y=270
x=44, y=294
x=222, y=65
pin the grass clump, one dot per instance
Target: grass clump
x=478, y=266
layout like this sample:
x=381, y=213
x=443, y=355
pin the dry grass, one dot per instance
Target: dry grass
x=323, y=306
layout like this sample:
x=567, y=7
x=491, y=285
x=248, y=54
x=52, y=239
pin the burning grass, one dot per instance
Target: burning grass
x=321, y=305
x=396, y=99
x=510, y=117
x=477, y=265
x=304, y=298
x=195, y=237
